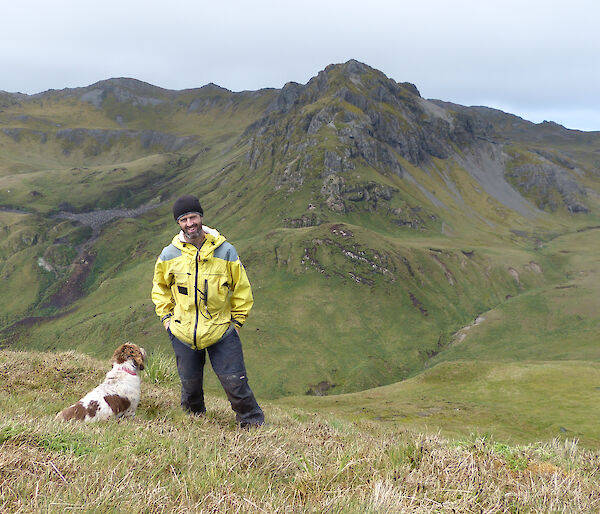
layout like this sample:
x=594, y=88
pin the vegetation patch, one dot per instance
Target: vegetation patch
x=299, y=461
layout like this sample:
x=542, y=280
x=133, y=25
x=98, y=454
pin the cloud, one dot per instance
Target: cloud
x=536, y=56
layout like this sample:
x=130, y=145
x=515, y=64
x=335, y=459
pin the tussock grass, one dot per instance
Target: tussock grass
x=167, y=461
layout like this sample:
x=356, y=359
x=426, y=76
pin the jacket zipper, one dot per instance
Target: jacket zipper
x=196, y=298
x=206, y=295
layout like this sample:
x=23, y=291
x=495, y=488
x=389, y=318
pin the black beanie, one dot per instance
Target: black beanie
x=185, y=205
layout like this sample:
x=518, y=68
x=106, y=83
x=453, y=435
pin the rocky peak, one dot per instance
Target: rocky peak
x=8, y=100
x=287, y=98
x=361, y=87
x=375, y=117
x=127, y=83
x=351, y=80
x=355, y=67
x=211, y=86
x=123, y=90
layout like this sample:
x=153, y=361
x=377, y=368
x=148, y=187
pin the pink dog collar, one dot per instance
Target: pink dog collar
x=128, y=371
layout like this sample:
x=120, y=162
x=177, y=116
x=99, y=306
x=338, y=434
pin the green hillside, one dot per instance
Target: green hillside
x=388, y=237
x=164, y=460
x=517, y=402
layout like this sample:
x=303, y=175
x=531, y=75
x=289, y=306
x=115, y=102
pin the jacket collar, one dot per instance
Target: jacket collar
x=126, y=369
x=211, y=235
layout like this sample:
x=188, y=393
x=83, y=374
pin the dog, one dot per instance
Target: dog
x=119, y=395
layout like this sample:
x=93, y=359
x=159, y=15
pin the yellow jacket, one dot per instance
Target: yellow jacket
x=202, y=291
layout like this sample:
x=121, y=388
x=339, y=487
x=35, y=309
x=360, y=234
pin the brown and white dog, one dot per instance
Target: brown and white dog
x=119, y=395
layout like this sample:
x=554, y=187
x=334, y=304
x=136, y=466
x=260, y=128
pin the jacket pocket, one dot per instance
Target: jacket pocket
x=182, y=328
x=182, y=292
x=217, y=290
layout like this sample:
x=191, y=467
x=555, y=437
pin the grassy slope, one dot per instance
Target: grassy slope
x=164, y=460
x=351, y=334
x=516, y=402
x=559, y=321
x=528, y=369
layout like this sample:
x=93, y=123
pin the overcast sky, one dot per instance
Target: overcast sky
x=538, y=59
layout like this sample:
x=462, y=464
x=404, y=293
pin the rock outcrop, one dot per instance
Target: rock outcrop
x=352, y=117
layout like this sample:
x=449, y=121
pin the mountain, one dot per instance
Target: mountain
x=384, y=233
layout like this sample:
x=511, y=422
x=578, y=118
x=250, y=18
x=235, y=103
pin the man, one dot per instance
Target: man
x=203, y=296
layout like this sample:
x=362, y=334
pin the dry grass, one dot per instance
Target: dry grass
x=165, y=461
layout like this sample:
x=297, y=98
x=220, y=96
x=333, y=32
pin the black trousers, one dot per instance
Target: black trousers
x=227, y=361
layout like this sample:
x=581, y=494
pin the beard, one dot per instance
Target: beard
x=193, y=232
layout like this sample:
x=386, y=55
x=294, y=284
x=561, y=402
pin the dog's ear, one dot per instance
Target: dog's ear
x=140, y=357
x=129, y=351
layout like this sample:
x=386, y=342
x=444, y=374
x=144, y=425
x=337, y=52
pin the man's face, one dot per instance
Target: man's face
x=191, y=224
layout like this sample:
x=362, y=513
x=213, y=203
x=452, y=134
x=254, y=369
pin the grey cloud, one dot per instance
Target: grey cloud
x=536, y=57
